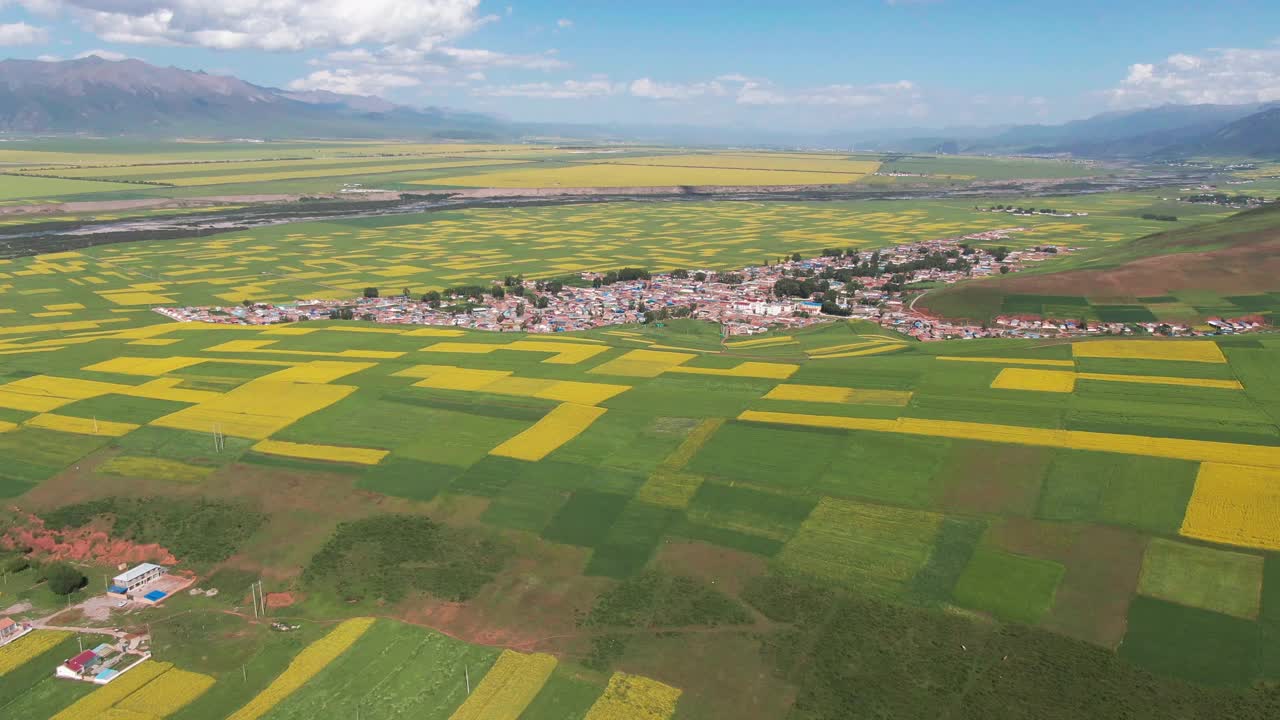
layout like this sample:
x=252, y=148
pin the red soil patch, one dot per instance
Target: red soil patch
x=281, y=599
x=85, y=544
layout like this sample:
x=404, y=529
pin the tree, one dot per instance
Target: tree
x=63, y=579
x=246, y=302
x=406, y=293
x=432, y=298
x=684, y=274
x=700, y=276
x=796, y=257
x=497, y=292
x=371, y=292
x=542, y=302
x=1004, y=269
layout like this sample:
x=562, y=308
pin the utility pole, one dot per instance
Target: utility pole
x=253, y=592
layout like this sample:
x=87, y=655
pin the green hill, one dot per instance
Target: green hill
x=1229, y=268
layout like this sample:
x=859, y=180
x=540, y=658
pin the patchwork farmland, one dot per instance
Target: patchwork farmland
x=115, y=286
x=651, y=521
x=592, y=502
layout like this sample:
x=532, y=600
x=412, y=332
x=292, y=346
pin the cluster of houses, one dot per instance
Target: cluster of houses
x=106, y=662
x=146, y=584
x=743, y=302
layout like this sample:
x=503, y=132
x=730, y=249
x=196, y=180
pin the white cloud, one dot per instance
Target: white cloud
x=385, y=68
x=20, y=33
x=473, y=58
x=1220, y=76
x=348, y=82
x=111, y=55
x=646, y=88
x=564, y=23
x=48, y=58
x=271, y=24
x=567, y=90
x=760, y=92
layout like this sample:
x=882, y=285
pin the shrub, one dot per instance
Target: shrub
x=63, y=579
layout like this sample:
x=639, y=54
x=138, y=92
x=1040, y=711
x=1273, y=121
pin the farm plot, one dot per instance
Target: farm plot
x=404, y=671
x=876, y=549
x=480, y=246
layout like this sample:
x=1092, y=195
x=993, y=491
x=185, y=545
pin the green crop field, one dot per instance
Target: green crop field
x=692, y=502
x=762, y=529
x=115, y=285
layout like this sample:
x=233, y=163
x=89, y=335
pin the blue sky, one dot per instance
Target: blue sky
x=812, y=65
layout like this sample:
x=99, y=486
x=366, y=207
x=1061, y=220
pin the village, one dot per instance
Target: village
x=794, y=292
x=117, y=651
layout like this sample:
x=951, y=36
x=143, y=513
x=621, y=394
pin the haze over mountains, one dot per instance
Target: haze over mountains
x=130, y=97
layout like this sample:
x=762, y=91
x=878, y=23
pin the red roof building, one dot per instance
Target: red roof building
x=78, y=662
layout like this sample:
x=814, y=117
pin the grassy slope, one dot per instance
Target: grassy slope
x=1234, y=256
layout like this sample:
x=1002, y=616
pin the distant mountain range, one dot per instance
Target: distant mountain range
x=130, y=97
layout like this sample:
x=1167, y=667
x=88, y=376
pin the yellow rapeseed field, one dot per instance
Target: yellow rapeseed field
x=1184, y=350
x=633, y=697
x=1235, y=505
x=154, y=468
x=508, y=687
x=1163, y=380
x=760, y=342
x=1195, y=450
x=96, y=704
x=769, y=371
x=1009, y=361
x=564, y=353
x=830, y=349
x=167, y=694
x=808, y=163
x=642, y=363
x=151, y=367
x=42, y=393
x=810, y=393
x=310, y=661
x=1058, y=381
x=609, y=175
x=320, y=371
x=27, y=647
x=330, y=453
x=579, y=392
x=321, y=172
x=878, y=349
x=257, y=409
x=565, y=422
x=80, y=426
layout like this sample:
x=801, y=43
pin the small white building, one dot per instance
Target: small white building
x=136, y=577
